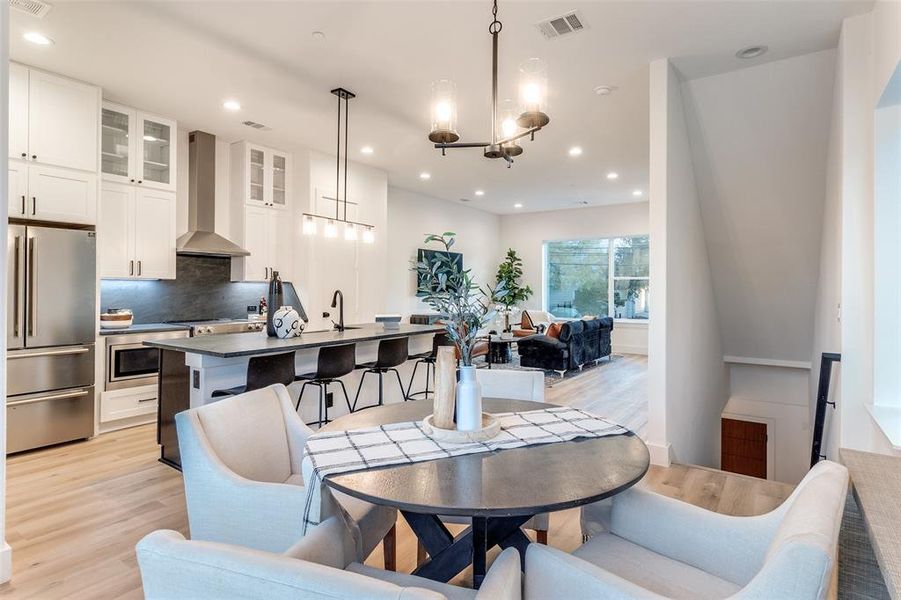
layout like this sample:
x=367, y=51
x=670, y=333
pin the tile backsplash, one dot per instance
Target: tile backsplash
x=201, y=290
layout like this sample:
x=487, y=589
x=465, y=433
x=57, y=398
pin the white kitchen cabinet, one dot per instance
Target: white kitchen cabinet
x=137, y=147
x=62, y=195
x=136, y=232
x=267, y=236
x=18, y=188
x=260, y=191
x=18, y=111
x=62, y=121
x=262, y=175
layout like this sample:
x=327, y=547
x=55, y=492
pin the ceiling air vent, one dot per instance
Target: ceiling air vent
x=259, y=126
x=571, y=22
x=35, y=8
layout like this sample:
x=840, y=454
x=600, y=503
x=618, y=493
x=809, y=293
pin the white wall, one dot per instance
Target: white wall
x=759, y=138
x=777, y=396
x=5, y=550
x=411, y=217
x=687, y=377
x=527, y=232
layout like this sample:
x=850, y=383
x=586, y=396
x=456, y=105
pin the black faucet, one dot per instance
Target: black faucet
x=335, y=297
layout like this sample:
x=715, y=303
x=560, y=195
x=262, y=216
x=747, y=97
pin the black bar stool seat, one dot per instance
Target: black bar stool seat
x=393, y=352
x=263, y=371
x=428, y=359
x=333, y=362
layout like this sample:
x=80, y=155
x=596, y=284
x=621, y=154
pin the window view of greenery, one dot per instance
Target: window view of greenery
x=602, y=277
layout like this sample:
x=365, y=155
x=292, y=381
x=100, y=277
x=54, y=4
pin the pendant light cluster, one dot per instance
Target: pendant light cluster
x=510, y=122
x=352, y=229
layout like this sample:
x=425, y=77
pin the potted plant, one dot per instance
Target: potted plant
x=509, y=273
x=451, y=291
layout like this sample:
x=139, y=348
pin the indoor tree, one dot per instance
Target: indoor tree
x=509, y=273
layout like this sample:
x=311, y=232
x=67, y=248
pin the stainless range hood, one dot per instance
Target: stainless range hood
x=201, y=239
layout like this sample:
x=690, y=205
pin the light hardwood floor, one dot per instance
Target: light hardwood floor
x=75, y=512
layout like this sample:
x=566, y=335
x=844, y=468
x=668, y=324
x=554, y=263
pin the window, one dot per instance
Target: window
x=599, y=277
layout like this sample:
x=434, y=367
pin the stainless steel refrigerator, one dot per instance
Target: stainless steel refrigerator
x=51, y=284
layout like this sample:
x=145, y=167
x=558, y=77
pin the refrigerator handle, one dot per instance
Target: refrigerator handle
x=32, y=304
x=17, y=275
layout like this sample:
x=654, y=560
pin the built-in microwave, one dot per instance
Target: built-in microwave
x=129, y=363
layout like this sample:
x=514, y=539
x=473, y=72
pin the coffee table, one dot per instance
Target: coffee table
x=499, y=490
x=500, y=350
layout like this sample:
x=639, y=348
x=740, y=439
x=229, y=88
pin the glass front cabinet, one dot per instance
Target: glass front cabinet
x=137, y=147
x=266, y=175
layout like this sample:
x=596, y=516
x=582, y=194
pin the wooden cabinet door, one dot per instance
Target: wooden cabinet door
x=18, y=111
x=62, y=195
x=256, y=241
x=154, y=237
x=62, y=121
x=17, y=189
x=115, y=230
x=744, y=447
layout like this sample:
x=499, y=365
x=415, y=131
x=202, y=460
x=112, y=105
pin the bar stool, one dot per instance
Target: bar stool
x=393, y=352
x=333, y=362
x=427, y=358
x=263, y=371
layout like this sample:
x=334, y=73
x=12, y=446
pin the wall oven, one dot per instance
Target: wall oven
x=129, y=363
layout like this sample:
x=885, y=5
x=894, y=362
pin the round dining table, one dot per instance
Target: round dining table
x=499, y=491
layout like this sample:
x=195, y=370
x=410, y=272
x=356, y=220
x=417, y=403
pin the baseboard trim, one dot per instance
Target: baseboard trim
x=661, y=454
x=617, y=349
x=6, y=563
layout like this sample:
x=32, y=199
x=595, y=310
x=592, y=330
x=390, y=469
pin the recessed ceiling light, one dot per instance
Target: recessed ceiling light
x=517, y=205
x=637, y=193
x=425, y=175
x=367, y=150
x=751, y=52
x=38, y=38
x=480, y=192
x=232, y=105
x=604, y=90
x=318, y=36
x=575, y=151
x=612, y=175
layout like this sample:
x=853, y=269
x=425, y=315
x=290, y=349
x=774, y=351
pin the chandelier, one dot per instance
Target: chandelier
x=509, y=122
x=330, y=230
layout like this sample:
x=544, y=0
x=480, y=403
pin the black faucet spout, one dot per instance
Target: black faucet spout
x=338, y=301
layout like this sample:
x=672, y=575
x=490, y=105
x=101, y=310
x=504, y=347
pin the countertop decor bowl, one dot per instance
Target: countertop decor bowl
x=491, y=426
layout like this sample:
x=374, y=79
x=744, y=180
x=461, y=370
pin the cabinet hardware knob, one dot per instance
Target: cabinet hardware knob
x=34, y=156
x=140, y=181
x=23, y=204
x=24, y=155
x=132, y=180
x=34, y=205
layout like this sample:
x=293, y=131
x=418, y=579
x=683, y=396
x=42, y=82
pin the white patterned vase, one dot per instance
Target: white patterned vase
x=469, y=400
x=287, y=323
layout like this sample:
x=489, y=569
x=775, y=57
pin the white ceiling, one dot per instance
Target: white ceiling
x=183, y=59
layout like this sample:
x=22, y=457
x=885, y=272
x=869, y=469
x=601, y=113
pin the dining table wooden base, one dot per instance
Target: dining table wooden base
x=449, y=554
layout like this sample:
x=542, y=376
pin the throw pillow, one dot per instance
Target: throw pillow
x=526, y=321
x=553, y=330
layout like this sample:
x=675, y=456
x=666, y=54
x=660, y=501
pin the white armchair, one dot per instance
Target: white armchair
x=644, y=545
x=319, y=566
x=241, y=459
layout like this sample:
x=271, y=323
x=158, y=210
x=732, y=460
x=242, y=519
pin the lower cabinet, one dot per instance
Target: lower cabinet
x=128, y=403
x=267, y=236
x=136, y=232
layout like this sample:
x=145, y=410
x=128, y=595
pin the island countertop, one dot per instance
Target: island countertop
x=231, y=345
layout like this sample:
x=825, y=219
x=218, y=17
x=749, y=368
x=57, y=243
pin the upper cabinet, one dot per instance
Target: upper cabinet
x=137, y=147
x=53, y=146
x=262, y=174
x=53, y=120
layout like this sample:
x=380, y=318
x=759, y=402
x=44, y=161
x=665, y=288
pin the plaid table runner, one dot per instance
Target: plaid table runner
x=404, y=443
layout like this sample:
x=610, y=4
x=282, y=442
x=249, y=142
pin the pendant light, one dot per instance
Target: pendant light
x=332, y=224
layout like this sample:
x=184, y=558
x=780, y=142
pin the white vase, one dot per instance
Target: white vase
x=287, y=323
x=469, y=400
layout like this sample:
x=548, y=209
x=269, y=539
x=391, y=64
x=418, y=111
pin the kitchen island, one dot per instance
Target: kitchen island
x=192, y=368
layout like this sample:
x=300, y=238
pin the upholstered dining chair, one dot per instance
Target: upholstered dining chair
x=241, y=461
x=644, y=545
x=510, y=385
x=321, y=565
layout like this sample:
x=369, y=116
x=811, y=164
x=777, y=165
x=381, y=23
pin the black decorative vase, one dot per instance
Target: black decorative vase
x=275, y=300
